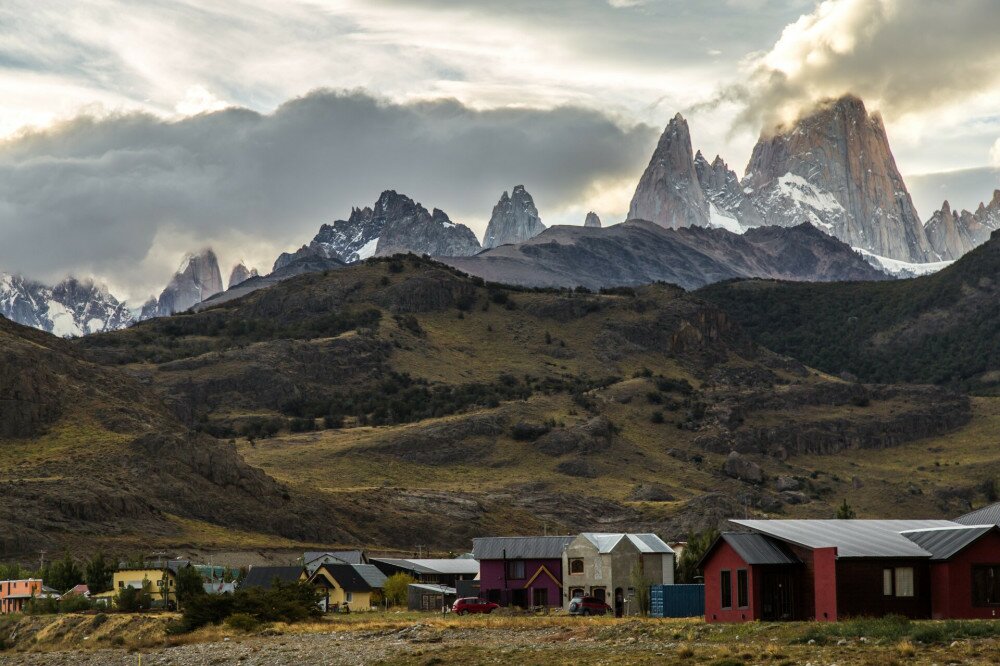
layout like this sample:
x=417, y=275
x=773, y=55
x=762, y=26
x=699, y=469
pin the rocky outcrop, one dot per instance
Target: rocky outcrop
x=952, y=233
x=592, y=220
x=395, y=224
x=514, y=220
x=197, y=278
x=834, y=168
x=728, y=203
x=69, y=309
x=669, y=193
x=241, y=274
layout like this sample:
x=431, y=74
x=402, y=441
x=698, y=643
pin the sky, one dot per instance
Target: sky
x=131, y=133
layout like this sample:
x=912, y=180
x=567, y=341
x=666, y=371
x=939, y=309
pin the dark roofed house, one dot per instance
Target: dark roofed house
x=521, y=571
x=354, y=585
x=312, y=559
x=264, y=577
x=433, y=571
x=832, y=569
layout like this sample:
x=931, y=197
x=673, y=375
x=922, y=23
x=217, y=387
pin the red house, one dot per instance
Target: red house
x=521, y=571
x=830, y=569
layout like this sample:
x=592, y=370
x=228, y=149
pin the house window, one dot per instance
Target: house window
x=887, y=582
x=726, y=586
x=742, y=588
x=348, y=597
x=576, y=566
x=515, y=569
x=986, y=585
x=904, y=581
x=159, y=583
x=121, y=584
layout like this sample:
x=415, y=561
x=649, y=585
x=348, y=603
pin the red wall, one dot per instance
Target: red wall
x=825, y=584
x=951, y=581
x=724, y=558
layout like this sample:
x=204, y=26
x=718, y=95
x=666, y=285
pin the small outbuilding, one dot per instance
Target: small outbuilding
x=429, y=596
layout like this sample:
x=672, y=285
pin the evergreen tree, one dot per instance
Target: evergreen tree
x=189, y=585
x=98, y=574
x=63, y=574
x=697, y=546
x=846, y=512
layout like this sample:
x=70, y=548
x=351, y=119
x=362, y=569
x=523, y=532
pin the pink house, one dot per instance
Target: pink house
x=521, y=571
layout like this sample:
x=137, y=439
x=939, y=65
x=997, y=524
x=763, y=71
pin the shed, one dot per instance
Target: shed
x=429, y=597
x=677, y=600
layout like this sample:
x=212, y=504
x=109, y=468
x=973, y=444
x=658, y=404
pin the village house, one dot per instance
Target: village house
x=162, y=582
x=521, y=571
x=358, y=586
x=611, y=566
x=265, y=577
x=14, y=594
x=832, y=569
x=311, y=560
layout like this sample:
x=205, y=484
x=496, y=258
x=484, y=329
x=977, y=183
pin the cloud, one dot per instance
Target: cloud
x=901, y=57
x=995, y=154
x=122, y=196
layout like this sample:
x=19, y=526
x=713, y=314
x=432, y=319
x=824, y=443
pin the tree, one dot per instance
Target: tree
x=189, y=585
x=845, y=512
x=98, y=574
x=63, y=574
x=640, y=583
x=396, y=587
x=128, y=599
x=697, y=545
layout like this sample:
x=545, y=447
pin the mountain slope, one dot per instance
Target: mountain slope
x=942, y=328
x=90, y=457
x=639, y=252
x=953, y=233
x=439, y=407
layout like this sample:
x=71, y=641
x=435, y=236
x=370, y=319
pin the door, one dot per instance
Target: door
x=777, y=596
x=540, y=597
x=519, y=598
x=598, y=593
x=619, y=602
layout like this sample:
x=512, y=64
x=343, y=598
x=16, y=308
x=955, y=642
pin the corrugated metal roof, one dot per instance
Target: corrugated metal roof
x=372, y=575
x=646, y=543
x=756, y=548
x=346, y=556
x=520, y=548
x=944, y=542
x=851, y=538
x=455, y=566
x=988, y=515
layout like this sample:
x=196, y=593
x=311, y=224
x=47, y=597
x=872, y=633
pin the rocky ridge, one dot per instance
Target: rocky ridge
x=71, y=308
x=197, y=278
x=953, y=233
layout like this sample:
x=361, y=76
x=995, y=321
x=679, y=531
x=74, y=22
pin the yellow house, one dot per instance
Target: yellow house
x=350, y=584
x=162, y=583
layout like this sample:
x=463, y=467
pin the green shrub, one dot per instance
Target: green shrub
x=283, y=602
x=242, y=622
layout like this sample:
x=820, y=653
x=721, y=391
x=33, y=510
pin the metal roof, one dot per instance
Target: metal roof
x=988, y=515
x=851, y=538
x=944, y=542
x=372, y=575
x=646, y=543
x=430, y=587
x=347, y=576
x=756, y=548
x=520, y=548
x=459, y=566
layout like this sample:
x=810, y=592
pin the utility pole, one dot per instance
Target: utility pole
x=41, y=560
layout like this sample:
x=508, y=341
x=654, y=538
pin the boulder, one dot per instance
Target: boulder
x=650, y=492
x=745, y=470
x=786, y=483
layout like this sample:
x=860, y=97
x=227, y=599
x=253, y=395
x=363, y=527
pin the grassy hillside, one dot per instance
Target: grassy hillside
x=419, y=406
x=939, y=329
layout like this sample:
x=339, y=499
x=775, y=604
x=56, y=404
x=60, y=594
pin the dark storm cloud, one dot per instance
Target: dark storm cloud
x=94, y=195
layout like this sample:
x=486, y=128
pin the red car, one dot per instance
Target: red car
x=473, y=605
x=588, y=606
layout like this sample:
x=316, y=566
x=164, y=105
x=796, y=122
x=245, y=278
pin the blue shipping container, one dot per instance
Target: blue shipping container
x=676, y=600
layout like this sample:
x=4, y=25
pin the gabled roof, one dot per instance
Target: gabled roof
x=756, y=548
x=943, y=542
x=346, y=575
x=345, y=556
x=453, y=566
x=520, y=548
x=431, y=587
x=264, y=577
x=80, y=589
x=372, y=575
x=988, y=515
x=851, y=538
x=645, y=543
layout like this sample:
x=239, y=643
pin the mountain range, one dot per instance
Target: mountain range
x=832, y=168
